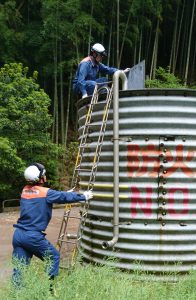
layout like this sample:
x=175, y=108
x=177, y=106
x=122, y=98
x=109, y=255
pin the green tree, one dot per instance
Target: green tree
x=11, y=169
x=11, y=36
x=65, y=27
x=51, y=36
x=24, y=128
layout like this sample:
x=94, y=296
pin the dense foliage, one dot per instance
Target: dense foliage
x=51, y=36
x=164, y=79
x=24, y=126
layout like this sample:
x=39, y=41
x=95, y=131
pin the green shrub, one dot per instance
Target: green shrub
x=66, y=164
x=164, y=79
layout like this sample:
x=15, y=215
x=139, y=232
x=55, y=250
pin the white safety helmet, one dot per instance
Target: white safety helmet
x=34, y=172
x=99, y=49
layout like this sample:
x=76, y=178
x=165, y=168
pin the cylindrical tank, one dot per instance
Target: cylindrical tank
x=157, y=182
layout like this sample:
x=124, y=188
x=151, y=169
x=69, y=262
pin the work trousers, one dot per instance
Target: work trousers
x=90, y=85
x=29, y=243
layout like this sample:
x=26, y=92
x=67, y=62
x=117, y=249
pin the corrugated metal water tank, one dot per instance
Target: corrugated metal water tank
x=157, y=175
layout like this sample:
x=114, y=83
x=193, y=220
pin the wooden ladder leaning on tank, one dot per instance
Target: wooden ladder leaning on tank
x=72, y=240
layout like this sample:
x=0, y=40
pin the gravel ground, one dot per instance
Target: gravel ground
x=7, y=219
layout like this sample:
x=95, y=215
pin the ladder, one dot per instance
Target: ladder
x=72, y=240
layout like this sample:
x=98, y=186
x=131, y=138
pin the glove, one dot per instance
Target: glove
x=88, y=195
x=126, y=70
x=84, y=96
x=70, y=191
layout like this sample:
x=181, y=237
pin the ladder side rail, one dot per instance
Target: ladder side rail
x=80, y=153
x=99, y=143
x=100, y=140
x=103, y=124
x=84, y=137
x=83, y=140
x=96, y=160
x=94, y=100
x=89, y=114
x=63, y=226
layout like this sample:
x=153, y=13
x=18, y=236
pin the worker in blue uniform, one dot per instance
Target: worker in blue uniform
x=88, y=70
x=35, y=213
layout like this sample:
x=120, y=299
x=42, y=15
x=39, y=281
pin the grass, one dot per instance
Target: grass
x=97, y=283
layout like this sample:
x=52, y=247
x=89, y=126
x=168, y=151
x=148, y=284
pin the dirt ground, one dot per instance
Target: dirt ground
x=7, y=219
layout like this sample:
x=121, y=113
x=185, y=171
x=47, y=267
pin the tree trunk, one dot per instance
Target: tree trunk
x=173, y=47
x=68, y=106
x=124, y=34
x=147, y=55
x=178, y=38
x=155, y=58
x=110, y=35
x=189, y=45
x=117, y=36
x=77, y=51
x=182, y=52
x=155, y=52
x=56, y=100
x=193, y=64
x=61, y=95
x=140, y=47
x=55, y=80
x=135, y=52
x=90, y=27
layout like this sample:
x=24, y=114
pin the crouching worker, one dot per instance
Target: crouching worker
x=88, y=70
x=35, y=214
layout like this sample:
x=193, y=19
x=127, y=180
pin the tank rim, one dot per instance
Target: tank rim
x=145, y=92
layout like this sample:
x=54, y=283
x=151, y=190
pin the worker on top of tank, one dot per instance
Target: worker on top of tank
x=88, y=70
x=35, y=213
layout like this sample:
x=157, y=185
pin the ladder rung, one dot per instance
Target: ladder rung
x=94, y=104
x=84, y=170
x=84, y=146
x=66, y=214
x=92, y=124
x=84, y=213
x=61, y=236
x=68, y=242
x=87, y=146
x=71, y=236
x=87, y=170
x=72, y=217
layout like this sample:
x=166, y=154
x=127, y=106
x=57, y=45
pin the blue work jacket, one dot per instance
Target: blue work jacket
x=36, y=206
x=88, y=69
